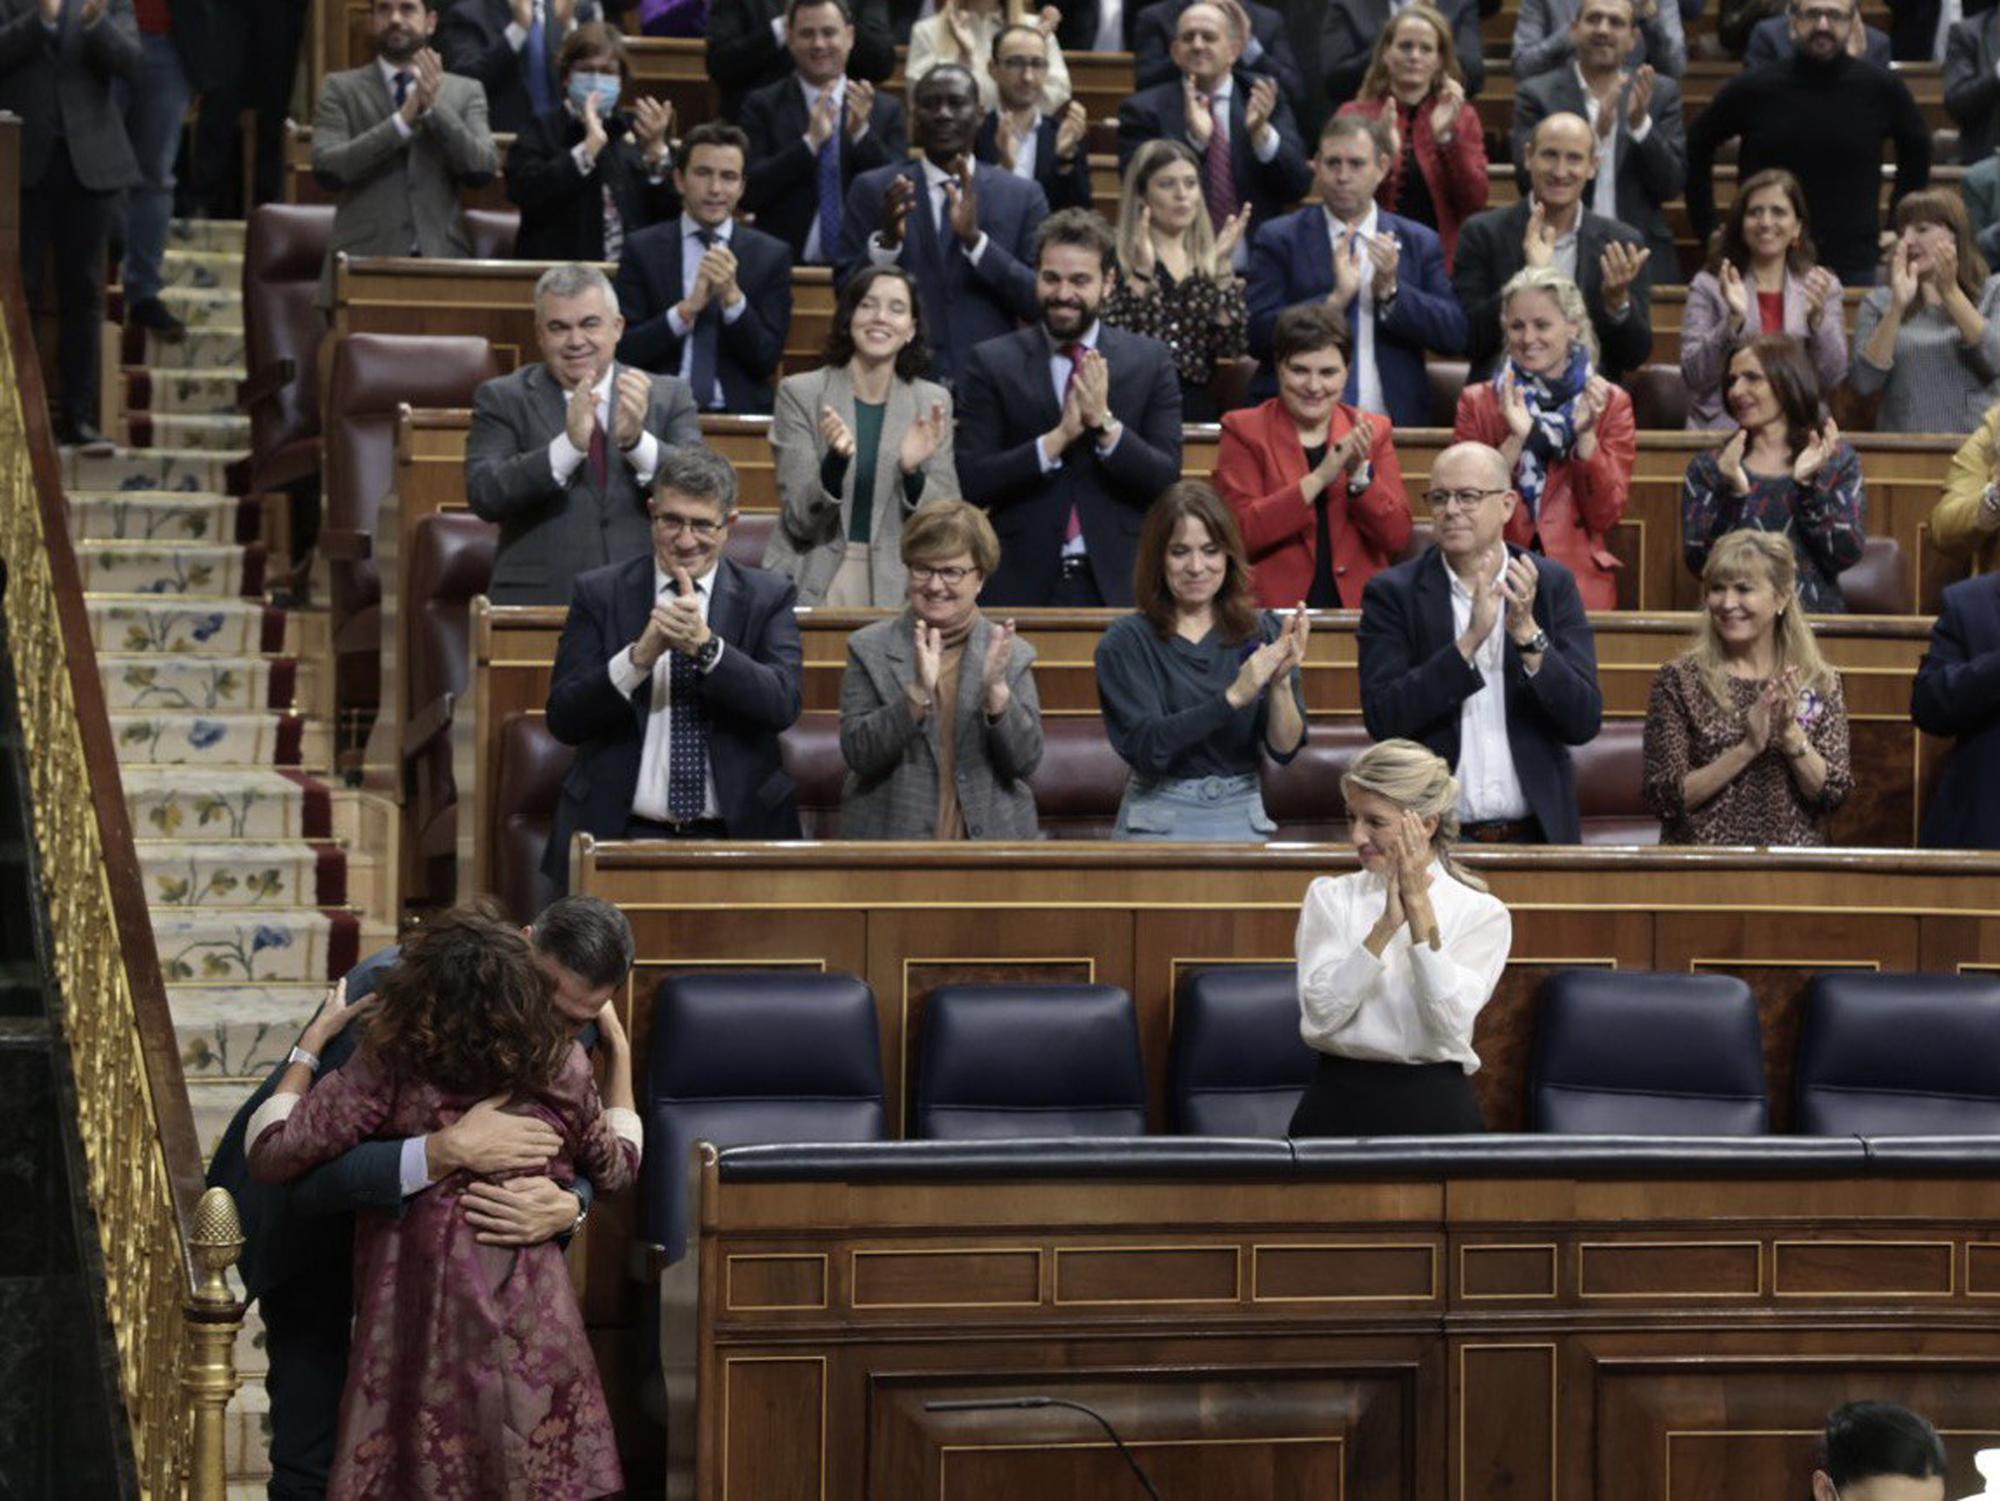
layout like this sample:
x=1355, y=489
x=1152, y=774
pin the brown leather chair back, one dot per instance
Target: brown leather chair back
x=1447, y=379
x=491, y=232
x=451, y=560
x=1659, y=398
x=284, y=246
x=1303, y=797
x=747, y=538
x=1610, y=778
x=1422, y=536
x=810, y=751
x=1879, y=584
x=533, y=764
x=1081, y=779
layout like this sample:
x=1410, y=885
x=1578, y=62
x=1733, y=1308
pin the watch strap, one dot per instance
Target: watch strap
x=300, y=1055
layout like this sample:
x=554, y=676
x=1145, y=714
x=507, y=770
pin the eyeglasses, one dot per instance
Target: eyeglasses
x=1457, y=500
x=673, y=526
x=1024, y=64
x=950, y=577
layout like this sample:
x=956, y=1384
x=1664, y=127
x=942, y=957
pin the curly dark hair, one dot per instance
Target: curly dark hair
x=467, y=1008
x=914, y=358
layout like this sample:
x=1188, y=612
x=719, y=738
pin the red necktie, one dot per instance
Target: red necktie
x=600, y=456
x=1218, y=169
x=1074, y=352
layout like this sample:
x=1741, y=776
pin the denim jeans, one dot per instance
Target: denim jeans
x=154, y=112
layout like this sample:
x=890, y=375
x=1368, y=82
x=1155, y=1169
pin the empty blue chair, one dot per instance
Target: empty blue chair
x=1899, y=1055
x=1028, y=1061
x=1622, y=1053
x=1239, y=1064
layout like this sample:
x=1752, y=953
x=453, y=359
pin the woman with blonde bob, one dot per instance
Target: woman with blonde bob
x=1397, y=959
x=1746, y=734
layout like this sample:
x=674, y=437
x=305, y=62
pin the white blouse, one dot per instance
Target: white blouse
x=1415, y=1004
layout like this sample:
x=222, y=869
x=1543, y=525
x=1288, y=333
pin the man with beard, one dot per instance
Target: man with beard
x=961, y=227
x=1823, y=115
x=1067, y=432
x=397, y=139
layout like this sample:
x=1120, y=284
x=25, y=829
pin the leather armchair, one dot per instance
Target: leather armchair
x=451, y=560
x=1659, y=398
x=284, y=246
x=522, y=812
x=1636, y=1054
x=1899, y=1055
x=491, y=232
x=1610, y=783
x=810, y=752
x=1029, y=1061
x=1878, y=584
x=1238, y=1064
x=1303, y=798
x=1081, y=780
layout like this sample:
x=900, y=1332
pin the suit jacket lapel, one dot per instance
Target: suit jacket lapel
x=1434, y=603
x=729, y=605
x=971, y=666
x=1035, y=376
x=631, y=606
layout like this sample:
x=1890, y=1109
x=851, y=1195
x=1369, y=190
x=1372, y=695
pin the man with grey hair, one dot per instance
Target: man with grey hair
x=1482, y=652
x=561, y=453
x=675, y=676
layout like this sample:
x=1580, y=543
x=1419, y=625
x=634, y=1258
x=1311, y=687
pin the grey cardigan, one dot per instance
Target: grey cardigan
x=1937, y=383
x=811, y=534
x=892, y=782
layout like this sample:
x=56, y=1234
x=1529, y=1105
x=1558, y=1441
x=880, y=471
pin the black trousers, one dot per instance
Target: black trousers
x=262, y=39
x=1350, y=1097
x=307, y=1324
x=60, y=215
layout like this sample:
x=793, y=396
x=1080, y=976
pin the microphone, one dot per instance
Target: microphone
x=995, y=1404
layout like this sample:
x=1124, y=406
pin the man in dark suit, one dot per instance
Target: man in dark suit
x=1067, y=432
x=703, y=297
x=57, y=64
x=1347, y=41
x=1552, y=227
x=1047, y=150
x=1483, y=653
x=812, y=132
x=244, y=54
x=297, y=1259
x=1388, y=278
x=1635, y=117
x=561, y=452
x=753, y=44
x=511, y=47
x=1239, y=126
x=1972, y=85
x=964, y=229
x=1957, y=693
x=1268, y=51
x=675, y=676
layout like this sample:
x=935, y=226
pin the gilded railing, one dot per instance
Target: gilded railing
x=174, y=1319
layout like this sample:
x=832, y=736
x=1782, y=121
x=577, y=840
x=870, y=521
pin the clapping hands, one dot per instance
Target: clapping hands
x=993, y=684
x=1275, y=657
x=1729, y=461
x=1775, y=714
x=1818, y=450
x=921, y=439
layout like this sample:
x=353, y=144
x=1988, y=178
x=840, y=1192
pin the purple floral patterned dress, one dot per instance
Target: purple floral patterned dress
x=470, y=1375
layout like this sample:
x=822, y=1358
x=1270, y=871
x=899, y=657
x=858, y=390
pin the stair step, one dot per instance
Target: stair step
x=205, y=307
x=213, y=627
x=206, y=234
x=204, y=684
x=200, y=349
x=193, y=802
x=185, y=432
x=214, y=570
x=214, y=270
x=153, y=516
x=148, y=469
x=174, y=737
x=239, y=1031
x=182, y=392
x=223, y=947
x=247, y=1445
x=218, y=873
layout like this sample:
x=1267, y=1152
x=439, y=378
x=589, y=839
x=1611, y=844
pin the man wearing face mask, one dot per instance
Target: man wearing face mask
x=561, y=452
x=397, y=139
x=588, y=175
x=511, y=47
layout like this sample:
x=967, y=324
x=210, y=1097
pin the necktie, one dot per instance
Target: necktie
x=1218, y=169
x=1074, y=353
x=535, y=64
x=403, y=82
x=707, y=336
x=829, y=196
x=599, y=457
x=687, y=740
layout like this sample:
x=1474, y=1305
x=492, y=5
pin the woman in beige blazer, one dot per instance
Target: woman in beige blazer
x=860, y=443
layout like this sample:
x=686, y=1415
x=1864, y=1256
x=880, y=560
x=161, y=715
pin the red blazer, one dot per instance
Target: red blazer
x=1258, y=472
x=1455, y=174
x=1582, y=501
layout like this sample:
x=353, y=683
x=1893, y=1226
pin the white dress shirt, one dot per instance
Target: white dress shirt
x=691, y=253
x=649, y=798
x=644, y=458
x=935, y=178
x=1489, y=787
x=1027, y=147
x=1110, y=27
x=389, y=71
x=1604, y=187
x=1415, y=1004
x=1367, y=378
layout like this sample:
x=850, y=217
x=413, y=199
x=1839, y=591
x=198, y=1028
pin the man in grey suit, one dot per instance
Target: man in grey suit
x=540, y=457
x=1635, y=115
x=57, y=61
x=397, y=139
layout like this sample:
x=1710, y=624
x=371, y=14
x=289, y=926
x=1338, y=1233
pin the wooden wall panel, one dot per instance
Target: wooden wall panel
x=776, y=1423
x=1508, y=1439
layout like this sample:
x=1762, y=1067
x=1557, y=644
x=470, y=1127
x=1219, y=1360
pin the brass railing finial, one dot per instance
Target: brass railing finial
x=214, y=1318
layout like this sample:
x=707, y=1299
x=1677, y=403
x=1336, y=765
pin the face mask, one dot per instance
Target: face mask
x=603, y=85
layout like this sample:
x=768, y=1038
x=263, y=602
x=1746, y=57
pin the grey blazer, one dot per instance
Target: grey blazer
x=892, y=781
x=59, y=83
x=1707, y=331
x=393, y=194
x=811, y=534
x=550, y=533
x=1648, y=173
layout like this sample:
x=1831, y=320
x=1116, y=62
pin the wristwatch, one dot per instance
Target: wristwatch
x=1535, y=644
x=709, y=655
x=582, y=1214
x=300, y=1055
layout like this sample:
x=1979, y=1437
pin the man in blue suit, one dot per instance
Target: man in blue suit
x=675, y=675
x=964, y=229
x=1068, y=432
x=704, y=297
x=1957, y=693
x=1388, y=277
x=1482, y=652
x=298, y=1237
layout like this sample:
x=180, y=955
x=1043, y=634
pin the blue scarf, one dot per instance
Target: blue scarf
x=1552, y=406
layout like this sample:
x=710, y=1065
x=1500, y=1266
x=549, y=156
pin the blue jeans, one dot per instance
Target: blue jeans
x=154, y=112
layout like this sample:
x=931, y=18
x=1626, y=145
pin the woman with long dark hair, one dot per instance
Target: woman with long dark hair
x=1928, y=339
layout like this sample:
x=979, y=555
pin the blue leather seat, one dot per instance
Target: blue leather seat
x=1030, y=1061
x=1899, y=1055
x=750, y=1058
x=1239, y=1064
x=1635, y=1054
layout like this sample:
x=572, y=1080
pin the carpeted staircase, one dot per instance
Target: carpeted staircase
x=266, y=878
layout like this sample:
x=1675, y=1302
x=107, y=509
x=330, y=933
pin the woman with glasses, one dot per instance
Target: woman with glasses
x=1567, y=433
x=962, y=31
x=860, y=443
x=1199, y=687
x=939, y=721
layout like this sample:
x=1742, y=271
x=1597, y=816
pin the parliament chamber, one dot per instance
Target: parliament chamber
x=1741, y=1103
